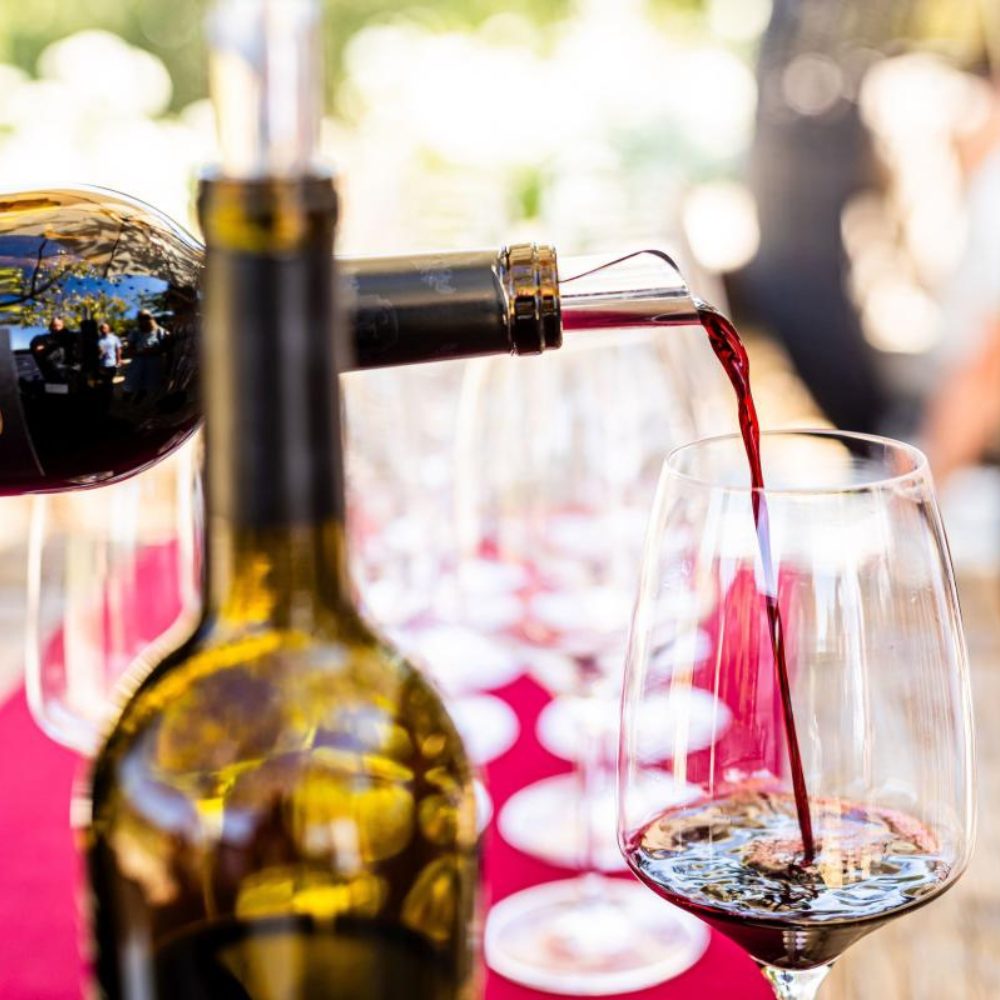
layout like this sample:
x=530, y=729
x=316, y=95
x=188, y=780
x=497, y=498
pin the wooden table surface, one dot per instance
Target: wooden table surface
x=950, y=950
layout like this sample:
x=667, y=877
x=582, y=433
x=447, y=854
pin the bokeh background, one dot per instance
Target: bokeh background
x=833, y=166
x=830, y=167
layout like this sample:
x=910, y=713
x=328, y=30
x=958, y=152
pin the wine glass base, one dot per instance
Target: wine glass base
x=461, y=661
x=545, y=819
x=581, y=937
x=487, y=724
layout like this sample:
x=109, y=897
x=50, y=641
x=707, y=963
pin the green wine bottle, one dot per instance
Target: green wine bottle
x=283, y=809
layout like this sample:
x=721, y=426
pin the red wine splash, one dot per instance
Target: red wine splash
x=732, y=355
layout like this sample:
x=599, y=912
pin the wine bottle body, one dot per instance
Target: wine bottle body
x=282, y=814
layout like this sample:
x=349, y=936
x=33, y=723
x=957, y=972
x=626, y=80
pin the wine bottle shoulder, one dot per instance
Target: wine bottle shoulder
x=227, y=718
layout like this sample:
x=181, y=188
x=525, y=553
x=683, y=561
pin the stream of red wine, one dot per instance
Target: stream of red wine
x=732, y=355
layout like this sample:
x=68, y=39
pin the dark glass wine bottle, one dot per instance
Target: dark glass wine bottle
x=77, y=411
x=283, y=808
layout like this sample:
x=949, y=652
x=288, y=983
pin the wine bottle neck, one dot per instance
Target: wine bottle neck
x=291, y=577
x=275, y=474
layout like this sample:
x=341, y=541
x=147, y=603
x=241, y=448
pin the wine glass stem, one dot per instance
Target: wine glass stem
x=794, y=984
x=590, y=771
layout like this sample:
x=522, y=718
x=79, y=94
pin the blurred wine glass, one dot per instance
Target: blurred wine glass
x=111, y=571
x=14, y=522
x=400, y=463
x=558, y=458
x=879, y=683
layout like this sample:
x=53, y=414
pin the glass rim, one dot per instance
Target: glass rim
x=920, y=469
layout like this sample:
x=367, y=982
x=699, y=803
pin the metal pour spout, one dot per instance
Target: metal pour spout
x=644, y=288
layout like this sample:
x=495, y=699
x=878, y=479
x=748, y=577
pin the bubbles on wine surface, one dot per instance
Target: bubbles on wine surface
x=739, y=862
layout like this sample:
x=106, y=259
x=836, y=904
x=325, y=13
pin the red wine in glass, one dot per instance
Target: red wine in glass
x=737, y=863
x=796, y=879
x=749, y=864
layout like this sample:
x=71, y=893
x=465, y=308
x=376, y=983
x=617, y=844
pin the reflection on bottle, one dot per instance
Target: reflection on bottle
x=86, y=296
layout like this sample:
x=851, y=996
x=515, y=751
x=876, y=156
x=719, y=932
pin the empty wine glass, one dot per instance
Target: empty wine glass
x=557, y=465
x=111, y=570
x=878, y=678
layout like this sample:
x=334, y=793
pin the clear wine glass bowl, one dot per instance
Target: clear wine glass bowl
x=112, y=573
x=879, y=686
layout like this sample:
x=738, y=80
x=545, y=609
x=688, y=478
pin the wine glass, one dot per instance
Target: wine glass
x=878, y=679
x=557, y=465
x=111, y=571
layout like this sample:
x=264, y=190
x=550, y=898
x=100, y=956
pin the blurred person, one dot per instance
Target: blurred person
x=89, y=359
x=55, y=352
x=147, y=346
x=811, y=153
x=109, y=353
x=962, y=416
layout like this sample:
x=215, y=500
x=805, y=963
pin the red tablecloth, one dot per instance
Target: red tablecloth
x=40, y=935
